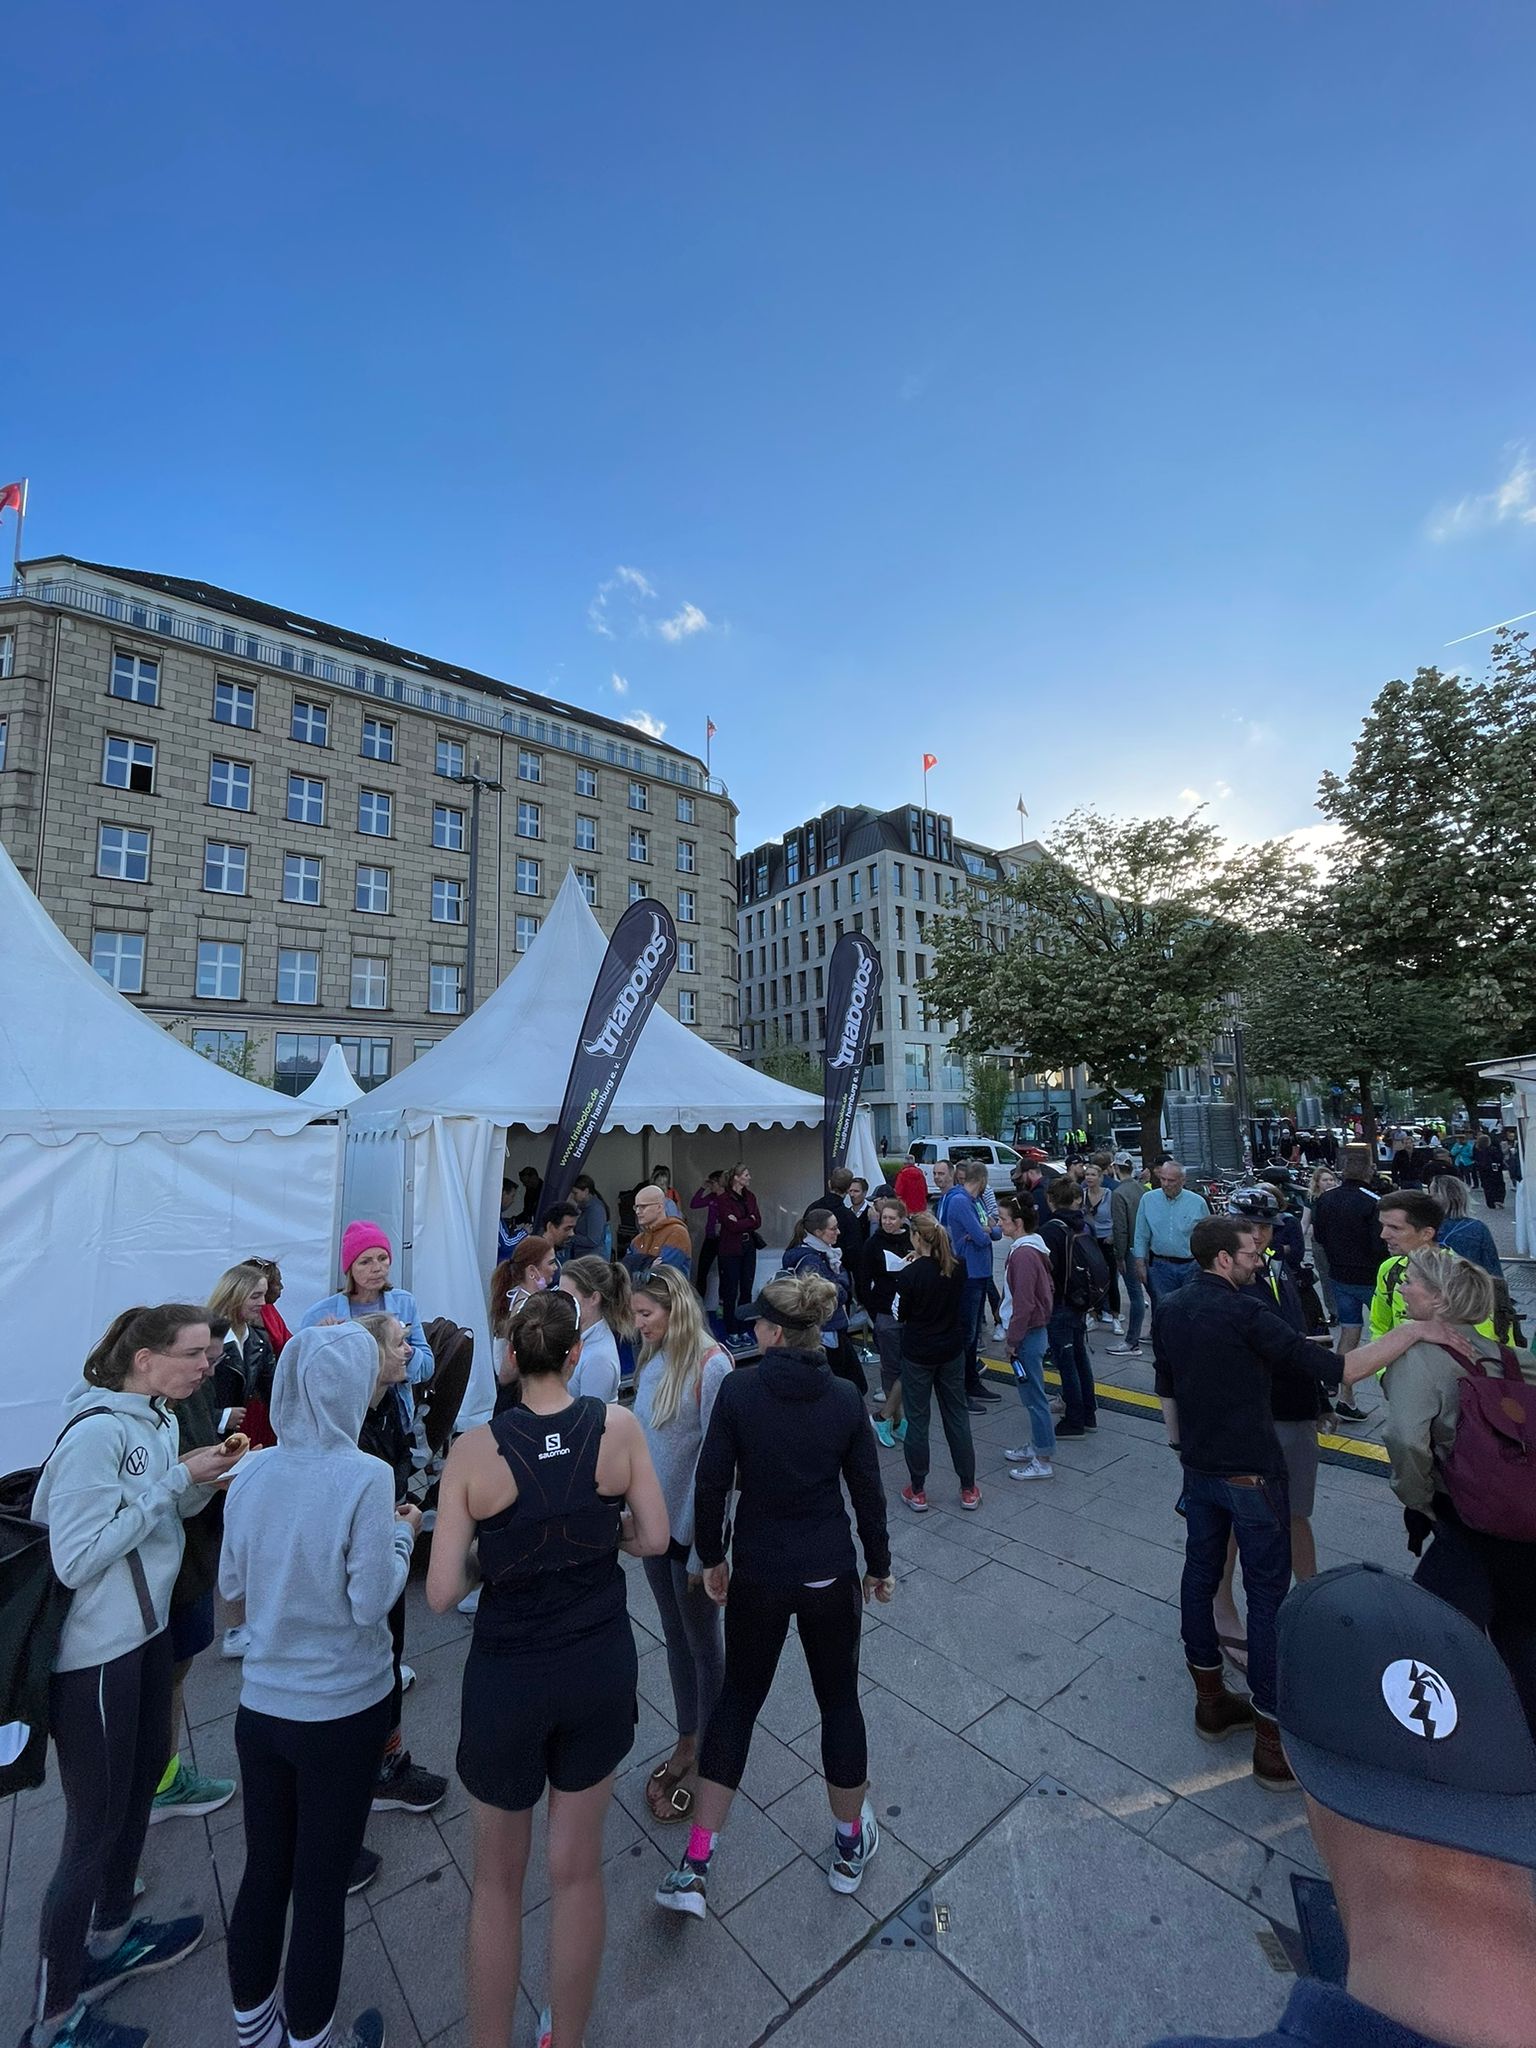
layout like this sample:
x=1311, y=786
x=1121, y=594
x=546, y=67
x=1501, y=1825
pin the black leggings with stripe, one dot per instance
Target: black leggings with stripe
x=757, y=1618
x=111, y=1726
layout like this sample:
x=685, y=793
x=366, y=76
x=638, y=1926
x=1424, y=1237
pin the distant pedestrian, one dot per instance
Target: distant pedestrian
x=930, y=1303
x=972, y=1237
x=1072, y=1260
x=1125, y=1198
x=1164, y=1221
x=879, y=1264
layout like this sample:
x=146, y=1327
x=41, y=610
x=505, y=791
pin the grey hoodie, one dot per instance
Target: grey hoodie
x=311, y=1542
x=115, y=1485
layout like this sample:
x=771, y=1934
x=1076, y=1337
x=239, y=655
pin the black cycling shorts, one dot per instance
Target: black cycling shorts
x=566, y=1718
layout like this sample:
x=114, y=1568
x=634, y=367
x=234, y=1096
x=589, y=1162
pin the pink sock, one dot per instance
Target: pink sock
x=701, y=1846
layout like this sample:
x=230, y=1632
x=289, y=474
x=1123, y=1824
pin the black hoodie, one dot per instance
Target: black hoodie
x=786, y=1432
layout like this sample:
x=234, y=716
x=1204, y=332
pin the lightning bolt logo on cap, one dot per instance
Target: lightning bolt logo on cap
x=1419, y=1698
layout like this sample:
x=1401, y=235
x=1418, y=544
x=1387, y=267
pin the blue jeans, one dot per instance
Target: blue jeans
x=970, y=1310
x=1029, y=1371
x=1353, y=1303
x=1166, y=1276
x=1260, y=1518
x=1068, y=1336
x=1136, y=1302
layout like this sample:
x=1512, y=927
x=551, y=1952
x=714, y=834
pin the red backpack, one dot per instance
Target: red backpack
x=1490, y=1470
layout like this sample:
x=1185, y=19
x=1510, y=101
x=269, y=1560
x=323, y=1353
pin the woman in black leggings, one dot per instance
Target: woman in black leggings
x=787, y=1431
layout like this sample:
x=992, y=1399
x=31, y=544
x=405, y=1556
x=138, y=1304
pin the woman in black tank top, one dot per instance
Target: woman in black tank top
x=551, y=1492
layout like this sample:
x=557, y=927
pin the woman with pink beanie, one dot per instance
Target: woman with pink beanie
x=366, y=1257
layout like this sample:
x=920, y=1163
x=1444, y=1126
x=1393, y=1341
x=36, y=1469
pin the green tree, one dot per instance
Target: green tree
x=987, y=1088
x=1433, y=884
x=1119, y=948
x=789, y=1064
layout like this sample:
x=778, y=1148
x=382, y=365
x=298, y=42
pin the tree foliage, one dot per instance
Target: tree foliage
x=1118, y=948
x=987, y=1088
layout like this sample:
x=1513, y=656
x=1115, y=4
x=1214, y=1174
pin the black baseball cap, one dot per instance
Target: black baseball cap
x=1399, y=1714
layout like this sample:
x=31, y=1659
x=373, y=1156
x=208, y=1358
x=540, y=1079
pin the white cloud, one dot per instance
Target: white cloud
x=642, y=721
x=635, y=580
x=683, y=624
x=620, y=684
x=1512, y=500
x=625, y=578
x=1220, y=791
x=1190, y=796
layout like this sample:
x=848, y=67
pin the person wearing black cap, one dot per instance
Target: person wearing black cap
x=1406, y=1733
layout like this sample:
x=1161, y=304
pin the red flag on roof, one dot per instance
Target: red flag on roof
x=930, y=761
x=13, y=497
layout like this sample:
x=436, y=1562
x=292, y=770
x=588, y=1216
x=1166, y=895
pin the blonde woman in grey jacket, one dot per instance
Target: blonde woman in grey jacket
x=113, y=1495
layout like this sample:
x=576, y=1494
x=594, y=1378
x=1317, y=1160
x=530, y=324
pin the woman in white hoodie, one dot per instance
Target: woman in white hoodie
x=114, y=1495
x=316, y=1547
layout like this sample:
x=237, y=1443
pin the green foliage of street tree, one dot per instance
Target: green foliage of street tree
x=781, y=1061
x=987, y=1088
x=1120, y=947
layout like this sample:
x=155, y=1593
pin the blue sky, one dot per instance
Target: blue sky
x=1105, y=399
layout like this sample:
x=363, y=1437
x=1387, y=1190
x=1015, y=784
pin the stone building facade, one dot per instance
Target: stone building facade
x=250, y=822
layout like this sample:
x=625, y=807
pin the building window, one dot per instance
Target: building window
x=301, y=878
x=687, y=956
x=225, y=1048
x=639, y=796
x=530, y=766
x=375, y=812
x=378, y=739
x=527, y=931
x=687, y=906
x=637, y=892
x=586, y=881
x=687, y=1006
x=530, y=820
x=5, y=728
x=122, y=853
x=445, y=990
x=220, y=971
x=450, y=757
x=639, y=843
x=235, y=704
x=687, y=811
x=586, y=782
x=7, y=654
x=224, y=867
x=372, y=891
x=306, y=800
x=370, y=983
x=447, y=828
x=855, y=887
x=128, y=764
x=311, y=723
x=688, y=858
x=229, y=784
x=447, y=900
x=298, y=977
x=586, y=835
x=899, y=877
x=118, y=957
x=527, y=877
x=136, y=677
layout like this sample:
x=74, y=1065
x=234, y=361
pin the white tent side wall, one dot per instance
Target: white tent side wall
x=90, y=1228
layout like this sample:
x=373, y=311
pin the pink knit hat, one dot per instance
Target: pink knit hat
x=358, y=1238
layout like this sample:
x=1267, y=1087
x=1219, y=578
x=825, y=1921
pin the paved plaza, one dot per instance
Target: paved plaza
x=1100, y=1874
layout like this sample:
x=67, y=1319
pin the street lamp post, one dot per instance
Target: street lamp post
x=475, y=782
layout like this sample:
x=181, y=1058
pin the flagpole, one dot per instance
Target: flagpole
x=21, y=517
x=925, y=785
x=708, y=735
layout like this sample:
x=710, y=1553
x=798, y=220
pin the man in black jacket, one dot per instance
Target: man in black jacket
x=1345, y=1223
x=1223, y=1351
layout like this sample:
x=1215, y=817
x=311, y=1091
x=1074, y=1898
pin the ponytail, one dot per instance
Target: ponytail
x=110, y=1359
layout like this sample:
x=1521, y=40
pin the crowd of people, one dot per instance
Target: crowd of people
x=209, y=1449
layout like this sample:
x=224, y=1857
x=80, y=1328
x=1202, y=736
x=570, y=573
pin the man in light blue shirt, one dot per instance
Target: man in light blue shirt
x=1164, y=1219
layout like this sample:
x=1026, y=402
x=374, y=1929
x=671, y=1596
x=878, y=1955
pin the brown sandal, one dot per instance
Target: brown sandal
x=679, y=1801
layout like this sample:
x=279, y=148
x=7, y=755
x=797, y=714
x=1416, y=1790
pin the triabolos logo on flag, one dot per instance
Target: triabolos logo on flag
x=647, y=960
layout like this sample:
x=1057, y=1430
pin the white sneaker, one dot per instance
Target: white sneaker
x=1020, y=1457
x=1032, y=1468
x=407, y=1677
x=999, y=1335
x=236, y=1641
x=1123, y=1351
x=846, y=1873
x=470, y=1604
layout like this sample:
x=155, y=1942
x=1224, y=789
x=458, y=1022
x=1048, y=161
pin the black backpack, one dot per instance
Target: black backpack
x=33, y=1604
x=1086, y=1271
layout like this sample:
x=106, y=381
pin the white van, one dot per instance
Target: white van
x=999, y=1159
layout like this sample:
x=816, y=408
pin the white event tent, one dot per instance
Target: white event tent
x=333, y=1087
x=131, y=1170
x=426, y=1151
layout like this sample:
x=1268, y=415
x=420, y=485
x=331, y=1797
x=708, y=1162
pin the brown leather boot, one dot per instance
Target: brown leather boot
x=1217, y=1711
x=1270, y=1768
